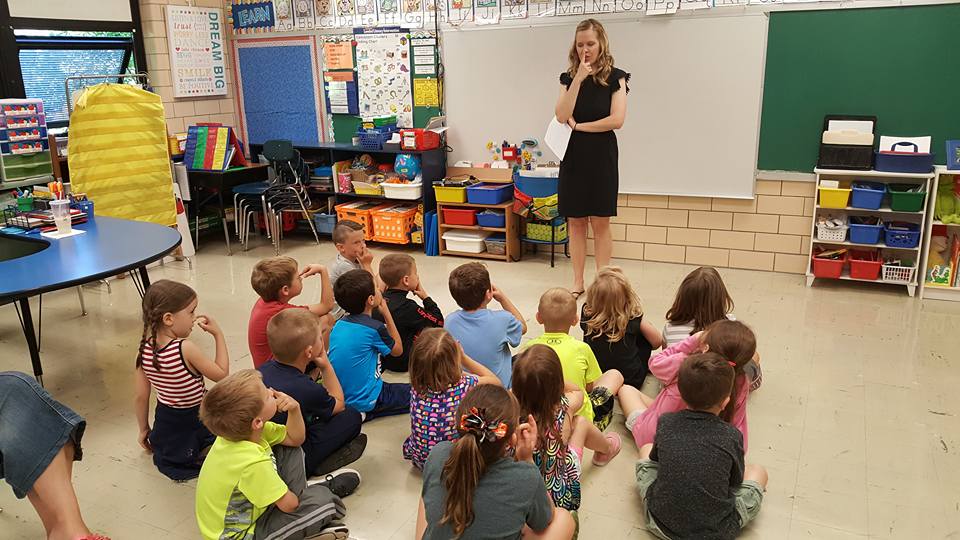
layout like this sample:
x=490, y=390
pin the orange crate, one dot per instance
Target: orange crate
x=360, y=212
x=393, y=225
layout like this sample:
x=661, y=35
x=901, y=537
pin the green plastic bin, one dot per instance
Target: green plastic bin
x=904, y=200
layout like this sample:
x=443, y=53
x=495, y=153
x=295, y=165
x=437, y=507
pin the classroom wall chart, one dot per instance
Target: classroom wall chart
x=383, y=70
x=251, y=16
x=195, y=39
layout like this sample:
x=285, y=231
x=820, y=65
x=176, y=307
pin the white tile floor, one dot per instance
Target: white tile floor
x=858, y=419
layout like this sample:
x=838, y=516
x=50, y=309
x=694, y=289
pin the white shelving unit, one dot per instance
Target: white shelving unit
x=929, y=290
x=922, y=218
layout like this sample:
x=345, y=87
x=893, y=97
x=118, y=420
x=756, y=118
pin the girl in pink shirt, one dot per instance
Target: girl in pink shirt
x=731, y=339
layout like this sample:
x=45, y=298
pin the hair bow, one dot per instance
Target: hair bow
x=474, y=422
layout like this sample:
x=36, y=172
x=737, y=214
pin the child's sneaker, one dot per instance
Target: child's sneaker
x=334, y=531
x=344, y=456
x=341, y=483
x=601, y=459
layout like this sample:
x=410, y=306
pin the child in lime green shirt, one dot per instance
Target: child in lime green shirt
x=252, y=485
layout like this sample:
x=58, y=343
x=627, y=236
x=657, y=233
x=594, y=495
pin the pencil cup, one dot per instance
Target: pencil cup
x=61, y=215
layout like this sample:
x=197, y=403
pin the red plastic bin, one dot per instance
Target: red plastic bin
x=459, y=216
x=865, y=264
x=827, y=268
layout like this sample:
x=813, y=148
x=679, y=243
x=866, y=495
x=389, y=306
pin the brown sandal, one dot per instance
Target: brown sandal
x=577, y=294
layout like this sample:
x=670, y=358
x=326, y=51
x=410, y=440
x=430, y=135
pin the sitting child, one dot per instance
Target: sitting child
x=277, y=282
x=333, y=429
x=175, y=368
x=352, y=254
x=253, y=483
x=732, y=340
x=486, y=335
x=693, y=477
x=356, y=344
x=440, y=375
x=613, y=326
x=398, y=272
x=473, y=488
x=557, y=312
x=702, y=300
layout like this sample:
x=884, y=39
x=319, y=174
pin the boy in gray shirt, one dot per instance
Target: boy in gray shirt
x=352, y=254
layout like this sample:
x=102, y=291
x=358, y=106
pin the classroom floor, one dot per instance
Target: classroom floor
x=857, y=419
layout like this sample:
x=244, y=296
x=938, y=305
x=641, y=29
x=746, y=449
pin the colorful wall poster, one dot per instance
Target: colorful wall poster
x=195, y=40
x=383, y=68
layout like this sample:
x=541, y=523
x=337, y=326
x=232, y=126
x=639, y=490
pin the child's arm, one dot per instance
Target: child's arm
x=666, y=365
x=574, y=397
x=652, y=335
x=296, y=430
x=430, y=315
x=288, y=503
x=326, y=289
x=330, y=382
x=220, y=366
x=507, y=304
x=483, y=372
x=142, y=407
x=397, y=349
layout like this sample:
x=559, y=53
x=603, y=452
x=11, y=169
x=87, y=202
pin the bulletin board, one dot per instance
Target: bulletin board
x=279, y=89
x=421, y=72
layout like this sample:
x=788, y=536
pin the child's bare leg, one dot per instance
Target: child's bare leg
x=611, y=379
x=578, y=435
x=645, y=451
x=55, y=501
x=756, y=473
x=633, y=400
x=587, y=435
x=561, y=527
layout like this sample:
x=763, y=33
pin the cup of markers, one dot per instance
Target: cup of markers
x=24, y=200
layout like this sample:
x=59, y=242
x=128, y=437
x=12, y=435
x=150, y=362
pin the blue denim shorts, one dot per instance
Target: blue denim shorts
x=33, y=429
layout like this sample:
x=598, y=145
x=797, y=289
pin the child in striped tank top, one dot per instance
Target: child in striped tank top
x=175, y=368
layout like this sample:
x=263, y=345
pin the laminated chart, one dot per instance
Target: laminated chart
x=383, y=69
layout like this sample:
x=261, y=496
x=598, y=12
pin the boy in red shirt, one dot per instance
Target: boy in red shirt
x=278, y=281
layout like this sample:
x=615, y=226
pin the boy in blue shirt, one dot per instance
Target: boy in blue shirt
x=356, y=344
x=485, y=335
x=333, y=429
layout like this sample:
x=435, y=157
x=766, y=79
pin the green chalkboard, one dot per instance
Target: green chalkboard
x=897, y=63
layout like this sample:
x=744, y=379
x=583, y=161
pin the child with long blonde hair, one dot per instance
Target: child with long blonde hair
x=613, y=326
x=175, y=367
x=440, y=375
x=473, y=488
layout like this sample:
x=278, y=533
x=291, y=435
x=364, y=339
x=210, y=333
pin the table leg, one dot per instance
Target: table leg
x=31, y=337
x=223, y=220
x=144, y=278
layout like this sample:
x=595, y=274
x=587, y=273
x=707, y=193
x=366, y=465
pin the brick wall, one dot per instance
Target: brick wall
x=182, y=112
x=770, y=232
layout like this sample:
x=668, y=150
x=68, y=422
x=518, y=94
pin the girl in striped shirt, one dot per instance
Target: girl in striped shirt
x=175, y=368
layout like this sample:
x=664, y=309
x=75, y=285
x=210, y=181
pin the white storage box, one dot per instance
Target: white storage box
x=847, y=136
x=407, y=192
x=466, y=241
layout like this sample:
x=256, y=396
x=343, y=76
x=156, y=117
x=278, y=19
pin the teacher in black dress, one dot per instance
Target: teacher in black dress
x=593, y=102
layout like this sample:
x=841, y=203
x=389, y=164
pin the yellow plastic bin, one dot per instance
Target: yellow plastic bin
x=835, y=197
x=451, y=194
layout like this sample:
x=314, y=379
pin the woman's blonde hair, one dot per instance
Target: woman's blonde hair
x=611, y=303
x=603, y=65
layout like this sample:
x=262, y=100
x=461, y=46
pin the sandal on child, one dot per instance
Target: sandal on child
x=577, y=294
x=602, y=458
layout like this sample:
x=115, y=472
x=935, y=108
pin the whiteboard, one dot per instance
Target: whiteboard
x=693, y=112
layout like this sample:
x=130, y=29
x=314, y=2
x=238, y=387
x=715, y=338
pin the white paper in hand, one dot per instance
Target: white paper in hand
x=558, y=137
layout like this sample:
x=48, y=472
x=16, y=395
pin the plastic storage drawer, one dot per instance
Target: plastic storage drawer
x=496, y=244
x=489, y=193
x=868, y=195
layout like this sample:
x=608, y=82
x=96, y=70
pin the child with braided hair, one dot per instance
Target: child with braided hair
x=472, y=488
x=175, y=368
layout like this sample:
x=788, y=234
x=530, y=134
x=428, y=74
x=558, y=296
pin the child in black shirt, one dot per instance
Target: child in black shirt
x=693, y=477
x=399, y=273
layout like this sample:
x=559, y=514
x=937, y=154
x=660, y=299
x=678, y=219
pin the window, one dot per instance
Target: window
x=48, y=57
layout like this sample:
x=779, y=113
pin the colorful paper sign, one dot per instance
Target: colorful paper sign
x=248, y=17
x=338, y=54
x=195, y=40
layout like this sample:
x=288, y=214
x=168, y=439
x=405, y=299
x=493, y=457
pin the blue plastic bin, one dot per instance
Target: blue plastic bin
x=491, y=218
x=489, y=193
x=323, y=171
x=325, y=223
x=902, y=239
x=865, y=234
x=867, y=195
x=903, y=157
x=84, y=206
x=535, y=186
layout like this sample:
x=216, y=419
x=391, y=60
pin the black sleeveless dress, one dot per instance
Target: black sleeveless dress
x=589, y=172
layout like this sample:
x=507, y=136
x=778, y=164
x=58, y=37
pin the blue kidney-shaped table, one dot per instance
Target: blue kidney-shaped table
x=31, y=265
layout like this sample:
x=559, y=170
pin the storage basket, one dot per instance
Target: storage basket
x=903, y=200
x=489, y=193
x=894, y=160
x=894, y=236
x=862, y=233
x=834, y=197
x=827, y=268
x=459, y=216
x=867, y=195
x=542, y=232
x=829, y=233
x=864, y=264
x=367, y=188
x=373, y=139
x=496, y=244
x=393, y=225
x=491, y=218
x=450, y=194
x=325, y=222
x=898, y=274
x=360, y=212
x=536, y=186
x=407, y=192
x=466, y=241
